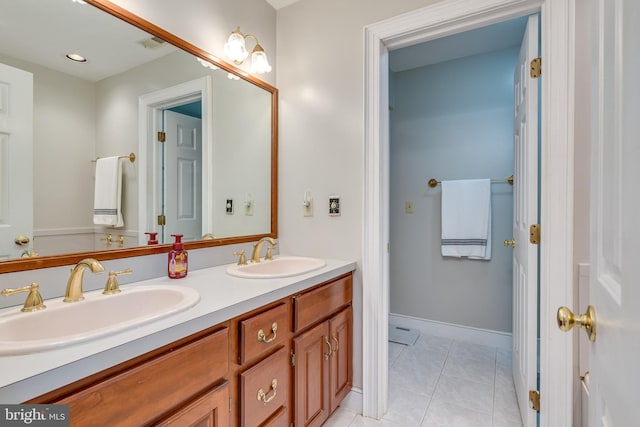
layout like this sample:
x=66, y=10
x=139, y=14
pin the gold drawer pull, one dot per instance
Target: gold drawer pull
x=262, y=396
x=335, y=350
x=263, y=338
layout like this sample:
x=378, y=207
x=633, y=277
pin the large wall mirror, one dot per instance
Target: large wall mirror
x=197, y=137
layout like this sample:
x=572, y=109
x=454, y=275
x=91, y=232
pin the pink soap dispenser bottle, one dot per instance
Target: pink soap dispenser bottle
x=177, y=267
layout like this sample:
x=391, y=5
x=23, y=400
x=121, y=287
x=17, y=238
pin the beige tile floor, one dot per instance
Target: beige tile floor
x=444, y=382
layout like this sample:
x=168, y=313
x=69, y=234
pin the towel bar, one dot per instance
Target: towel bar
x=433, y=183
x=131, y=157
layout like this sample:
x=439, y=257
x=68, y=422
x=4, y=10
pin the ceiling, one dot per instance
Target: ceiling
x=482, y=40
x=44, y=32
x=279, y=4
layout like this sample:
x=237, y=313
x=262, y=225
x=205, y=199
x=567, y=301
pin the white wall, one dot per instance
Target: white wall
x=321, y=81
x=452, y=120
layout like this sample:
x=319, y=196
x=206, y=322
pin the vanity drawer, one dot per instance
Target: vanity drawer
x=138, y=395
x=262, y=332
x=311, y=307
x=264, y=389
x=280, y=419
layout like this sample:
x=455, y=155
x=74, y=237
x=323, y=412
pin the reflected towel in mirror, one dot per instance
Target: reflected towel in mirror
x=108, y=192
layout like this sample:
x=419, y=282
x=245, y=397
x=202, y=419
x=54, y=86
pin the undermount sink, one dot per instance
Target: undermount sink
x=284, y=266
x=62, y=324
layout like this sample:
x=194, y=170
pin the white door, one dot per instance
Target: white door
x=183, y=176
x=525, y=213
x=615, y=215
x=16, y=160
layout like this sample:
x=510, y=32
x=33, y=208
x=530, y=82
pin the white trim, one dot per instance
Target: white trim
x=556, y=210
x=487, y=337
x=556, y=275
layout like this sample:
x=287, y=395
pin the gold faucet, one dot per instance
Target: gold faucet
x=255, y=256
x=34, y=299
x=74, y=285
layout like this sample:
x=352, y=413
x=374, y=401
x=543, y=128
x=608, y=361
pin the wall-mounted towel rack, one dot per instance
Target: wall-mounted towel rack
x=433, y=183
x=131, y=157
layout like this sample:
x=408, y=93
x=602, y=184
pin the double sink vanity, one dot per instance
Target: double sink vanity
x=218, y=345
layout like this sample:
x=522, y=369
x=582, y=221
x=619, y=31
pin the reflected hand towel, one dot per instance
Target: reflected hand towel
x=108, y=193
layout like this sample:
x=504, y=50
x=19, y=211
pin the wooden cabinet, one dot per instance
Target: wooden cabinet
x=287, y=362
x=264, y=389
x=150, y=387
x=323, y=368
x=210, y=410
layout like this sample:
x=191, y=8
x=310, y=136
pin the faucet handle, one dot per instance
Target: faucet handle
x=34, y=299
x=269, y=255
x=112, y=287
x=243, y=259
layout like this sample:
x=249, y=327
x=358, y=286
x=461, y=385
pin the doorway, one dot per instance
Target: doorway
x=193, y=169
x=556, y=185
x=452, y=117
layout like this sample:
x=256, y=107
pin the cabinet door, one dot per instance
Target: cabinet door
x=210, y=410
x=340, y=329
x=311, y=376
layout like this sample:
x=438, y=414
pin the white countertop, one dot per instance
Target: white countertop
x=222, y=297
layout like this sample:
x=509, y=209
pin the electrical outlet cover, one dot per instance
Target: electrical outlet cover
x=334, y=205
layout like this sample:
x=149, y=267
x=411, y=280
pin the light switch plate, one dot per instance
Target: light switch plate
x=334, y=205
x=229, y=207
x=408, y=206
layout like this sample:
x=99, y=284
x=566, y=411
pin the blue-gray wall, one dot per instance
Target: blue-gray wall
x=452, y=120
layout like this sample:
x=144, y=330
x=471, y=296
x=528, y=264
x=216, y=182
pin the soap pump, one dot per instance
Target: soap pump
x=177, y=267
x=153, y=237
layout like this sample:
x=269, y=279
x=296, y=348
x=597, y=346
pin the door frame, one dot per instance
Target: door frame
x=556, y=184
x=150, y=110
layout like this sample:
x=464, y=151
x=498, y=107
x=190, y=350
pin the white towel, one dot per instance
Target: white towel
x=108, y=193
x=466, y=218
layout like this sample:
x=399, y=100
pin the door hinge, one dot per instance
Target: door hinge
x=534, y=398
x=162, y=220
x=536, y=68
x=230, y=404
x=534, y=234
x=162, y=136
x=293, y=359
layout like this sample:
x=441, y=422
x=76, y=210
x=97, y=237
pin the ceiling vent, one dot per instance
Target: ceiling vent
x=152, y=42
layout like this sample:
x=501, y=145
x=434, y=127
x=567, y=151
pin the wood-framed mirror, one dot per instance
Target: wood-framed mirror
x=124, y=108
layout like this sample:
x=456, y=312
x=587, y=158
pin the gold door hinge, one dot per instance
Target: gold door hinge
x=162, y=220
x=534, y=398
x=162, y=136
x=536, y=68
x=534, y=234
x=293, y=359
x=230, y=405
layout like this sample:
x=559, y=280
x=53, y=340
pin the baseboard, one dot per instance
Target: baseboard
x=353, y=400
x=450, y=330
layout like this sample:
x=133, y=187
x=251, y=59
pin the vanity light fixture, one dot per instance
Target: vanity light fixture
x=235, y=49
x=76, y=57
x=232, y=76
x=79, y=1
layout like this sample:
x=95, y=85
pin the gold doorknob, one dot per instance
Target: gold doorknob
x=567, y=320
x=22, y=240
x=511, y=243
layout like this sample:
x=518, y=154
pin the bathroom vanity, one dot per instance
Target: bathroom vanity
x=252, y=352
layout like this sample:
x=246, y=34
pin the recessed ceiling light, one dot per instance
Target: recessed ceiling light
x=76, y=57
